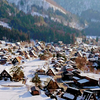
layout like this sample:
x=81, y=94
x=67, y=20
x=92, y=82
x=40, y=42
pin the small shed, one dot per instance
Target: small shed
x=35, y=91
x=16, y=60
x=5, y=75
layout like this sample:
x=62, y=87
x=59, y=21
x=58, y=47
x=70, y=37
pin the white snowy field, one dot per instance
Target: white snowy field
x=20, y=91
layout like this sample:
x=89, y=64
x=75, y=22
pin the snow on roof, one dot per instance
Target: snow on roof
x=45, y=77
x=3, y=67
x=83, y=81
x=96, y=89
x=91, y=75
x=77, y=78
x=68, y=95
x=92, y=59
x=95, y=64
x=73, y=88
x=85, y=44
x=68, y=66
x=57, y=48
x=97, y=53
x=3, y=42
x=91, y=87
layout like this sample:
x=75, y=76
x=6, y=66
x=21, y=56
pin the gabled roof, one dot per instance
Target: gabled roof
x=6, y=72
x=52, y=71
x=34, y=88
x=52, y=85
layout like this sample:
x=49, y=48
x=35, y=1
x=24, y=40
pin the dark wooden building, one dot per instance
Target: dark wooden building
x=5, y=75
x=35, y=91
x=16, y=60
x=67, y=75
x=87, y=82
x=71, y=94
x=52, y=85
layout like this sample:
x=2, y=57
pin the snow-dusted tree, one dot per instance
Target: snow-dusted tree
x=17, y=73
x=36, y=80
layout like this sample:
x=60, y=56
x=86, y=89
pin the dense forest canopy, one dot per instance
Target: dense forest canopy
x=12, y=35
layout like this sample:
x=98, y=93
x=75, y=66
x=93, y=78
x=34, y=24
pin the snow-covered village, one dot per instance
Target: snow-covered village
x=43, y=71
x=49, y=49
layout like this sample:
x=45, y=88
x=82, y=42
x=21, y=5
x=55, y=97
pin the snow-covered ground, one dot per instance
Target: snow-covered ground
x=20, y=91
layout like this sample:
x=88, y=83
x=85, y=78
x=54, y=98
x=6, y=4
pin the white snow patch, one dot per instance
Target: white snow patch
x=4, y=25
x=68, y=95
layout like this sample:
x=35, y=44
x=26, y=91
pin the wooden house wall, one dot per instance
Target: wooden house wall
x=35, y=92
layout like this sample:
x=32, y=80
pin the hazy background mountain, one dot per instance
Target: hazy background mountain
x=78, y=6
x=87, y=10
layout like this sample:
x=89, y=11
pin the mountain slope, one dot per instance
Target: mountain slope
x=26, y=5
x=78, y=6
x=87, y=10
x=56, y=5
x=48, y=9
x=93, y=19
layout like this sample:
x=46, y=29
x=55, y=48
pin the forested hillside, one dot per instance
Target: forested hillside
x=37, y=27
x=12, y=35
